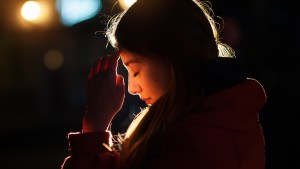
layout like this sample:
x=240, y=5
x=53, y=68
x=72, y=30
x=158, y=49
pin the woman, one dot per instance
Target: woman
x=203, y=110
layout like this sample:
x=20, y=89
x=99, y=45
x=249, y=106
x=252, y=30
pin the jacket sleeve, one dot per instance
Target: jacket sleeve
x=88, y=151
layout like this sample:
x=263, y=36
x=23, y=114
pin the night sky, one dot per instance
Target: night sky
x=39, y=105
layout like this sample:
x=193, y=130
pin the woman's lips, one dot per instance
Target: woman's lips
x=146, y=100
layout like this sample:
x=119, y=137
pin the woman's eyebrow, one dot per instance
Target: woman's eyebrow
x=131, y=61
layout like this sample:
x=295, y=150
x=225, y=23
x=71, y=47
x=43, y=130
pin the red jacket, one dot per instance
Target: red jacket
x=225, y=135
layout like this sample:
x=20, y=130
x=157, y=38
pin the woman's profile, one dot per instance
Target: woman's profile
x=202, y=107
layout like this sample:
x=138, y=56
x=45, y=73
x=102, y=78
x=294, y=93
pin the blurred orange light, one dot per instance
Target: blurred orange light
x=31, y=10
x=36, y=14
x=53, y=59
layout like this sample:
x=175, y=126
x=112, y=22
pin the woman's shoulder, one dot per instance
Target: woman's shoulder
x=234, y=108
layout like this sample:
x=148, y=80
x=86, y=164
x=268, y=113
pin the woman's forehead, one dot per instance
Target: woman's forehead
x=129, y=58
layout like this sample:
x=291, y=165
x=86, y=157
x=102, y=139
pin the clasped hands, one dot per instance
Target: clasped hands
x=105, y=94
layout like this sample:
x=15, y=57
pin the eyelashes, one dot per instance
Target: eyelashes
x=135, y=74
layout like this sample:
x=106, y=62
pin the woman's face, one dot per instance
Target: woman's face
x=147, y=78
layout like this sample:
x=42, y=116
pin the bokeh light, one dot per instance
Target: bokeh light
x=75, y=11
x=53, y=59
x=31, y=10
x=36, y=14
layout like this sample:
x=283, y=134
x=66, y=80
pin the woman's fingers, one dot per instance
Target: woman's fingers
x=94, y=69
x=104, y=66
x=109, y=63
x=120, y=80
x=114, y=61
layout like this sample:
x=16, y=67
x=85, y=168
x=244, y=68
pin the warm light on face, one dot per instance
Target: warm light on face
x=31, y=10
x=126, y=3
x=148, y=78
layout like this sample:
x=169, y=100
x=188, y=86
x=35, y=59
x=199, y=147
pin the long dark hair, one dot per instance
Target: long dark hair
x=182, y=33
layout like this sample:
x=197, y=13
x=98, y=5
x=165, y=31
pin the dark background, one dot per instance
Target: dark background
x=38, y=106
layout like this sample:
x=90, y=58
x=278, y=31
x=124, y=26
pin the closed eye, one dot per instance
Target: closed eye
x=135, y=74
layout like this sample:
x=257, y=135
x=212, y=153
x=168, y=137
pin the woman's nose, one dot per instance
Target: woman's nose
x=133, y=87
